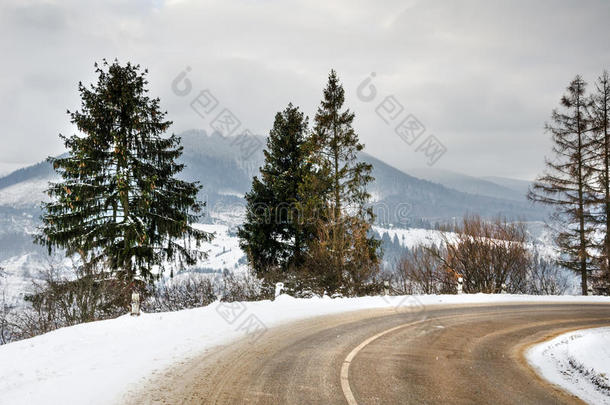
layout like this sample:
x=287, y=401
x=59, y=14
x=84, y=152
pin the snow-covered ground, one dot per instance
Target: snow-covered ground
x=223, y=251
x=99, y=362
x=578, y=361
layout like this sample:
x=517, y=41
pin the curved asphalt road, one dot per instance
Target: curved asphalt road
x=456, y=355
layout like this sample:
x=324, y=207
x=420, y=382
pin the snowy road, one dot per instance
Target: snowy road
x=458, y=355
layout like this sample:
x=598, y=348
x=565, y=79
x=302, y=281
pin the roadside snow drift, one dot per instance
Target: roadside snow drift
x=99, y=362
x=579, y=362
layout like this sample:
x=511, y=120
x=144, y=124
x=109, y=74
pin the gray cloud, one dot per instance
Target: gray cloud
x=483, y=76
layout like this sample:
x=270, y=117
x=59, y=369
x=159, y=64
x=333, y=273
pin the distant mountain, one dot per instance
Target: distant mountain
x=436, y=202
x=220, y=165
x=520, y=186
x=42, y=170
x=504, y=188
x=398, y=197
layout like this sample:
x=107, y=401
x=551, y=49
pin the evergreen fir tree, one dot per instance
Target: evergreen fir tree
x=395, y=240
x=336, y=148
x=119, y=204
x=274, y=236
x=340, y=190
x=600, y=147
x=566, y=183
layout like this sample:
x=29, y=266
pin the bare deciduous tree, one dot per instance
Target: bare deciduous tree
x=490, y=256
x=546, y=277
x=420, y=272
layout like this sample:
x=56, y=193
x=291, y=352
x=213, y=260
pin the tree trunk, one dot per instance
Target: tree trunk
x=581, y=215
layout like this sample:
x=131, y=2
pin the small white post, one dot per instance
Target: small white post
x=503, y=288
x=460, y=285
x=278, y=289
x=135, y=304
x=589, y=290
x=386, y=288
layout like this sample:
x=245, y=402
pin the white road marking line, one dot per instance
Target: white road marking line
x=347, y=391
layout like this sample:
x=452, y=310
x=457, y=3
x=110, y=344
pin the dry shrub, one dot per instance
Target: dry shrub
x=490, y=256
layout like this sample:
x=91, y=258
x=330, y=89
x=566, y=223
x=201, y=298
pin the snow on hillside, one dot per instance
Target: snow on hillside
x=223, y=251
x=412, y=237
x=25, y=194
x=100, y=362
x=578, y=361
x=23, y=223
x=230, y=215
x=415, y=236
x=20, y=271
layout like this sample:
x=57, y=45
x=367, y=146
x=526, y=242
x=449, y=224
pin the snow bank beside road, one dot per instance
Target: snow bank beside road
x=99, y=362
x=579, y=362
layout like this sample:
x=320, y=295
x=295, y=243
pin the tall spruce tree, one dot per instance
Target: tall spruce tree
x=344, y=242
x=600, y=147
x=335, y=149
x=119, y=204
x=566, y=183
x=273, y=235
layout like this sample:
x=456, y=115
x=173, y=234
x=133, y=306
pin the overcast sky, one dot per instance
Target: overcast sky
x=481, y=76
